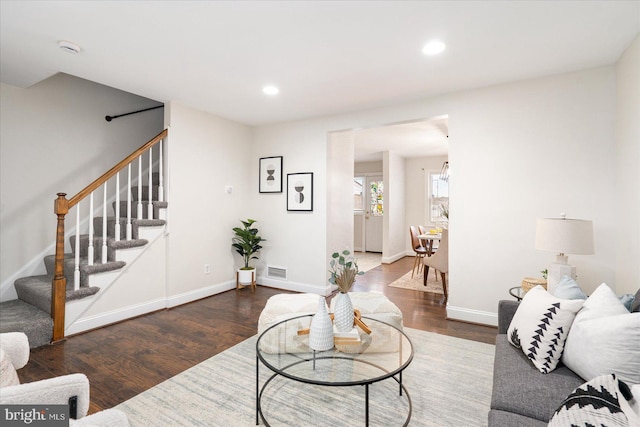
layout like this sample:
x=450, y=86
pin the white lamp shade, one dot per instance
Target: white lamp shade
x=565, y=236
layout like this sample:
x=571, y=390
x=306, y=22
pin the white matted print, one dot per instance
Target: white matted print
x=270, y=174
x=300, y=191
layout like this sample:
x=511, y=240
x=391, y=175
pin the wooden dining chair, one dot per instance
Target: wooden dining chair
x=429, y=244
x=440, y=262
x=419, y=250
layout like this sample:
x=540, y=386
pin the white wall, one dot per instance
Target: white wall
x=627, y=184
x=54, y=138
x=297, y=241
x=339, y=205
x=394, y=207
x=521, y=150
x=205, y=154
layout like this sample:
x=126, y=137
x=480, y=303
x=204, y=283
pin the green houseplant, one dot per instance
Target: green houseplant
x=246, y=242
x=344, y=270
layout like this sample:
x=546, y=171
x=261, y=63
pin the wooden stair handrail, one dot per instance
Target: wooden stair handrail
x=114, y=170
x=61, y=208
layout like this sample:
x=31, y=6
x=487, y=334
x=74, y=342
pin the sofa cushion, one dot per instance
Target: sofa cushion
x=520, y=388
x=601, y=401
x=540, y=327
x=509, y=419
x=604, y=339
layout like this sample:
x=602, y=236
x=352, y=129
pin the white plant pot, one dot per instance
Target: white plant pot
x=246, y=277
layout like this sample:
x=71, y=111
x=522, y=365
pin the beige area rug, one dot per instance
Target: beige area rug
x=406, y=282
x=449, y=382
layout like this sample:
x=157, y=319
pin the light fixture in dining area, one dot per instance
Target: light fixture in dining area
x=444, y=172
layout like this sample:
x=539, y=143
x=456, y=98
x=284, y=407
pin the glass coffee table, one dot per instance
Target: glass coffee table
x=295, y=367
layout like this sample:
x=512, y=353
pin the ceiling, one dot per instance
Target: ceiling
x=413, y=139
x=327, y=57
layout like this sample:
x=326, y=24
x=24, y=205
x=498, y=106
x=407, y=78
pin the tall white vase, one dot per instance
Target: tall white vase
x=343, y=313
x=321, y=329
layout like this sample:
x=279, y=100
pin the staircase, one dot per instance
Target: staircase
x=31, y=313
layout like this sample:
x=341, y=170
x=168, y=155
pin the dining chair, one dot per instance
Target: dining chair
x=430, y=245
x=440, y=262
x=419, y=250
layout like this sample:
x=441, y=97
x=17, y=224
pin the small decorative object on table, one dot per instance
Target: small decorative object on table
x=530, y=282
x=321, y=329
x=344, y=269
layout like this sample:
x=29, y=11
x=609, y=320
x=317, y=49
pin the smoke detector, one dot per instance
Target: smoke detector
x=68, y=46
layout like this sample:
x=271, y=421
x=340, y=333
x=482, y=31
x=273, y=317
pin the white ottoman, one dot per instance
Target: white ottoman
x=281, y=307
x=377, y=306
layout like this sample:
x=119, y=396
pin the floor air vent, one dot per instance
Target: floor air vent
x=277, y=272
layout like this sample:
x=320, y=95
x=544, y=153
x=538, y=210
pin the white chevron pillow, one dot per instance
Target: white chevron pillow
x=540, y=327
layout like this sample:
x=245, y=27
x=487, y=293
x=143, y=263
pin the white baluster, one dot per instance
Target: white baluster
x=117, y=226
x=76, y=270
x=161, y=179
x=129, y=202
x=139, y=205
x=90, y=247
x=150, y=205
x=104, y=225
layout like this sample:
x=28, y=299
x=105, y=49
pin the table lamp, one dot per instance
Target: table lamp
x=563, y=236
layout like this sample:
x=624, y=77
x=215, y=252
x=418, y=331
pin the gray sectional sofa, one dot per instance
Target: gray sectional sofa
x=522, y=395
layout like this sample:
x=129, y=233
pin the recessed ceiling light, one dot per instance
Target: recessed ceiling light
x=69, y=47
x=270, y=90
x=434, y=47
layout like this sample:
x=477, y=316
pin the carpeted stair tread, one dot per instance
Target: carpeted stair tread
x=19, y=316
x=102, y=268
x=111, y=227
x=145, y=208
x=50, y=261
x=36, y=290
x=128, y=244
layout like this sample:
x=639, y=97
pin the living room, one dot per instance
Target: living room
x=524, y=148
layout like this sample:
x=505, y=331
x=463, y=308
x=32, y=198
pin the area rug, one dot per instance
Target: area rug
x=415, y=283
x=449, y=381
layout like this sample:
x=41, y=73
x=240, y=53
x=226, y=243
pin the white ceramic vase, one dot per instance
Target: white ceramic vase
x=343, y=313
x=321, y=329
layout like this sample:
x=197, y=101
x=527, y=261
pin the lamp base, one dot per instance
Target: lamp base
x=557, y=270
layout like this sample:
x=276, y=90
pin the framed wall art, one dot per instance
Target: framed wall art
x=270, y=174
x=300, y=191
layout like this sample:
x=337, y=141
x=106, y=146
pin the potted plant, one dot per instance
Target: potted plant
x=343, y=269
x=246, y=242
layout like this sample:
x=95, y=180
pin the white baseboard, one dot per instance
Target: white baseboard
x=186, y=297
x=394, y=258
x=473, y=316
x=104, y=319
x=294, y=286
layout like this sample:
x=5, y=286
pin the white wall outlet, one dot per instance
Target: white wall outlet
x=207, y=269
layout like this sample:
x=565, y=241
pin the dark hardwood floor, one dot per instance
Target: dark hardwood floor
x=127, y=358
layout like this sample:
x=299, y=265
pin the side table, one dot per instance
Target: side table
x=517, y=292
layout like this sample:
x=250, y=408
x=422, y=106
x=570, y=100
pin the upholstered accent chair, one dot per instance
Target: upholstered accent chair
x=70, y=389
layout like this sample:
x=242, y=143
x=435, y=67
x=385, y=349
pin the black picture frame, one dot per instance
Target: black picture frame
x=270, y=175
x=300, y=192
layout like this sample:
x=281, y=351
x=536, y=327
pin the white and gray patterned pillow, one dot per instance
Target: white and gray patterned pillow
x=540, y=327
x=603, y=401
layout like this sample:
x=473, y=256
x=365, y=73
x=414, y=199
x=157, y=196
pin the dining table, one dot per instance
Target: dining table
x=428, y=238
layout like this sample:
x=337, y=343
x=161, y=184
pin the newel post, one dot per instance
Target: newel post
x=59, y=284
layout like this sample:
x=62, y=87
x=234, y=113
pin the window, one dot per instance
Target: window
x=438, y=198
x=358, y=193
